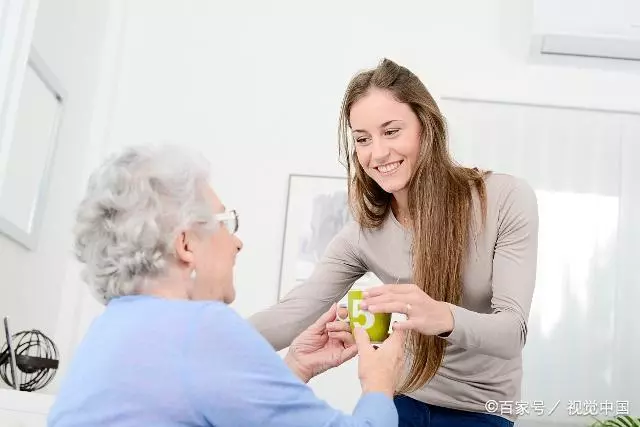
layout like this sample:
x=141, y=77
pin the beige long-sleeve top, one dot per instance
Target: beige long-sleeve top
x=483, y=361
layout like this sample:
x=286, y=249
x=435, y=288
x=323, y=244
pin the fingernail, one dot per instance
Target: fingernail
x=363, y=305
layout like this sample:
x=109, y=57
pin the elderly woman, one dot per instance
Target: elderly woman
x=159, y=248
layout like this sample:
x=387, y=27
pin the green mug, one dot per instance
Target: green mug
x=376, y=325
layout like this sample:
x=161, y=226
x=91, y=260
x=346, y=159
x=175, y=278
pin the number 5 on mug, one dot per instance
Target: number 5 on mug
x=376, y=325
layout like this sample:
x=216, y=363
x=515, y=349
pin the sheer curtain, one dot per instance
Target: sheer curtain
x=581, y=351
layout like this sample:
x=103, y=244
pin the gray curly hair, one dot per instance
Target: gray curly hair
x=135, y=205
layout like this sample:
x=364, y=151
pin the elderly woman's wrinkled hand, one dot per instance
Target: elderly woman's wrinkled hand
x=315, y=350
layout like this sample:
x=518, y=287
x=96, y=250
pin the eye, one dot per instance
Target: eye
x=391, y=132
x=363, y=140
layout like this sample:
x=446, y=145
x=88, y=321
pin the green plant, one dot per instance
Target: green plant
x=619, y=421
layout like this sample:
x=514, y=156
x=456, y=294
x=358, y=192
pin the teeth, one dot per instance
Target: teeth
x=389, y=167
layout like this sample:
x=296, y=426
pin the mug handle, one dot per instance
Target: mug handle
x=342, y=305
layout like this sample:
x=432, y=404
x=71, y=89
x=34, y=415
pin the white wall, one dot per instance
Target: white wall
x=69, y=36
x=258, y=89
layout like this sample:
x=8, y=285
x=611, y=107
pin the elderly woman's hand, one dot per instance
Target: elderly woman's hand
x=315, y=351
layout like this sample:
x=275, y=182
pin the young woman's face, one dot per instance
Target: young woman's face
x=387, y=139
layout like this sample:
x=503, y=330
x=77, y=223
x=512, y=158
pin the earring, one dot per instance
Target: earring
x=193, y=274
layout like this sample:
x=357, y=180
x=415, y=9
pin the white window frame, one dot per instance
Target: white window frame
x=17, y=22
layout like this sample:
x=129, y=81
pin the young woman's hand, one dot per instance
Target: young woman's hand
x=424, y=314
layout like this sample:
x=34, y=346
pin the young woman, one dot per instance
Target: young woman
x=457, y=246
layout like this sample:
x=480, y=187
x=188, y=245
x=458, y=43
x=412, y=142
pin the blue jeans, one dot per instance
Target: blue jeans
x=414, y=413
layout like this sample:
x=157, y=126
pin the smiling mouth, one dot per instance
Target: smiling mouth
x=388, y=168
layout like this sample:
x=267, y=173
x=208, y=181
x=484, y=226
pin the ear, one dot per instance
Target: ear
x=183, y=245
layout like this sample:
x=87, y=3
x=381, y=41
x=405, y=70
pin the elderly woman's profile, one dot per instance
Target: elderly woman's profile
x=158, y=248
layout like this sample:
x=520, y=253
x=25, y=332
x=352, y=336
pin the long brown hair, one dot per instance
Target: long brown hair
x=440, y=203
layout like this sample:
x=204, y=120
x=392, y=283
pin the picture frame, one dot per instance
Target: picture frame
x=316, y=210
x=27, y=148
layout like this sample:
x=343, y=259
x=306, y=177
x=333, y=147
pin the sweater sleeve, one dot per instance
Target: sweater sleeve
x=234, y=378
x=503, y=332
x=340, y=266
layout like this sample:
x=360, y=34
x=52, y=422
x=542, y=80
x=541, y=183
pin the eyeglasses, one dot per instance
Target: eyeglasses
x=229, y=219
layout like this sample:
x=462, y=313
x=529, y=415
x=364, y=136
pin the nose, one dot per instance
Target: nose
x=379, y=151
x=238, y=243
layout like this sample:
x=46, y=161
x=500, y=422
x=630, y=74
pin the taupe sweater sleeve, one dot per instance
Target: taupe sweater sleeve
x=333, y=275
x=503, y=332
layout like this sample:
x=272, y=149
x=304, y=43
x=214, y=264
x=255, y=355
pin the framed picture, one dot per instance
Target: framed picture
x=317, y=209
x=27, y=147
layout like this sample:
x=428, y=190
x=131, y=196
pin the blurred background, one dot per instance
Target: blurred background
x=548, y=90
